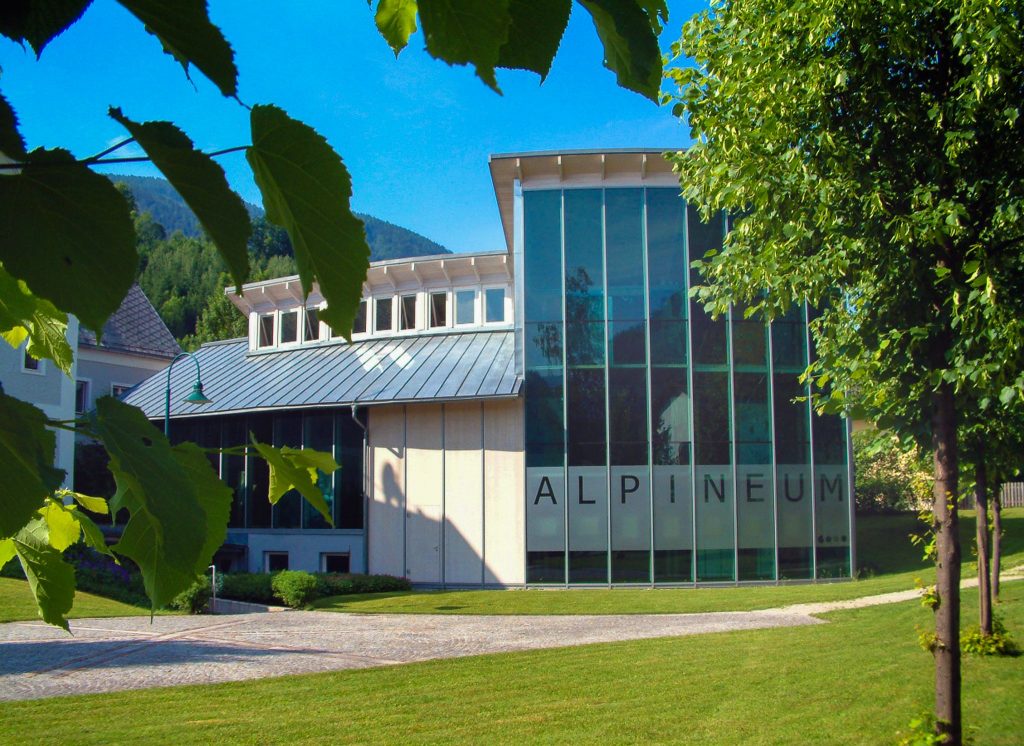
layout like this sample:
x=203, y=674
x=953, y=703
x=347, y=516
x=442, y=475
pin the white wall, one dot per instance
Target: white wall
x=303, y=547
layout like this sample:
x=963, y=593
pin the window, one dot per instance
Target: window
x=289, y=327
x=408, y=310
x=275, y=561
x=266, y=330
x=438, y=310
x=31, y=364
x=117, y=390
x=334, y=562
x=383, y=320
x=359, y=326
x=494, y=305
x=311, y=331
x=465, y=307
x=81, y=397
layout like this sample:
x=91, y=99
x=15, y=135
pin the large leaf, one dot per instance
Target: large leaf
x=6, y=551
x=167, y=530
x=62, y=524
x=185, y=30
x=95, y=504
x=464, y=32
x=396, y=21
x=26, y=463
x=92, y=535
x=201, y=183
x=306, y=190
x=51, y=580
x=213, y=495
x=68, y=233
x=534, y=35
x=292, y=468
x=628, y=29
x=37, y=22
x=24, y=316
x=11, y=143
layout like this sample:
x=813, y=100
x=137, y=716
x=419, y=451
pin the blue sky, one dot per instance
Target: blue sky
x=414, y=132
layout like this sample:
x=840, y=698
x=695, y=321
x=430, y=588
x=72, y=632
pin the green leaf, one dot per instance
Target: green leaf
x=535, y=32
x=6, y=551
x=39, y=22
x=630, y=39
x=396, y=21
x=185, y=30
x=306, y=190
x=201, y=183
x=51, y=580
x=291, y=468
x=464, y=32
x=166, y=533
x=62, y=525
x=68, y=234
x=92, y=535
x=213, y=495
x=24, y=316
x=26, y=462
x=94, y=504
x=11, y=143
x=1007, y=394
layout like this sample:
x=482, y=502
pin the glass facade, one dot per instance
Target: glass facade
x=664, y=446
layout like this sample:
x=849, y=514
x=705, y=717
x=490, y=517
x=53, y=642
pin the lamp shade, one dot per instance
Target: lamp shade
x=197, y=396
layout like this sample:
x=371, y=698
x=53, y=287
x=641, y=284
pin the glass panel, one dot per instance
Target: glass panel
x=81, y=396
x=544, y=435
x=438, y=310
x=258, y=512
x=289, y=327
x=755, y=495
x=793, y=476
x=584, y=266
x=408, y=318
x=384, y=309
x=588, y=524
x=709, y=336
x=542, y=257
x=233, y=434
x=586, y=424
x=465, y=306
x=359, y=325
x=311, y=330
x=627, y=416
x=287, y=512
x=666, y=256
x=631, y=524
x=494, y=305
x=267, y=330
x=715, y=496
x=624, y=254
x=319, y=435
x=348, y=481
x=673, y=525
x=670, y=416
x=831, y=501
x=545, y=525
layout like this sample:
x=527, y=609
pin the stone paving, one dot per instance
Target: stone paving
x=104, y=655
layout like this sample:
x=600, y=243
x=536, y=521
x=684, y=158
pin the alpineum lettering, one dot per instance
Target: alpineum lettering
x=719, y=490
x=634, y=486
x=835, y=485
x=753, y=484
x=545, y=490
x=788, y=494
x=582, y=501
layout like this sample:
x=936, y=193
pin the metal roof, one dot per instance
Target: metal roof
x=418, y=368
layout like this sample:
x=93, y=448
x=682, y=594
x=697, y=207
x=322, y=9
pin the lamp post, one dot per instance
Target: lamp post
x=196, y=397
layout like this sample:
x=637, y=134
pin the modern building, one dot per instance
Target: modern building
x=557, y=412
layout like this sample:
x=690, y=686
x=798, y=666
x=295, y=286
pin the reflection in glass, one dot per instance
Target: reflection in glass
x=319, y=435
x=494, y=305
x=465, y=306
x=289, y=327
x=287, y=513
x=383, y=321
x=258, y=513
x=311, y=329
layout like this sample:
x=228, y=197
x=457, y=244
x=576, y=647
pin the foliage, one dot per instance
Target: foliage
x=341, y=584
x=195, y=598
x=921, y=732
x=890, y=477
x=295, y=587
x=244, y=586
x=1000, y=642
x=258, y=587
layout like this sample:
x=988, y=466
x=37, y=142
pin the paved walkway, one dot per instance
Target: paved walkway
x=37, y=660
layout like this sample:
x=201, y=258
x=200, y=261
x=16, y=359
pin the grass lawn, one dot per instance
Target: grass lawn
x=858, y=680
x=17, y=604
x=882, y=544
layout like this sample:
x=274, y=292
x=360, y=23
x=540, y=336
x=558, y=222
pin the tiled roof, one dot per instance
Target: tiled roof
x=426, y=367
x=134, y=327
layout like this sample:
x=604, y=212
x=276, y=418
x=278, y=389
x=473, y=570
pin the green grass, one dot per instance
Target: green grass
x=17, y=604
x=857, y=680
x=882, y=544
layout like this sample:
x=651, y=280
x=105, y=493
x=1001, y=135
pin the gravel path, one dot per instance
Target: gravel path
x=37, y=660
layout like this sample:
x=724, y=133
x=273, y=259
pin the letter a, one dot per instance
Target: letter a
x=548, y=492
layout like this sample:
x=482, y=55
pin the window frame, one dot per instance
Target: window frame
x=475, y=290
x=430, y=294
x=40, y=365
x=366, y=332
x=266, y=559
x=299, y=321
x=504, y=305
x=377, y=300
x=126, y=386
x=87, y=386
x=260, y=316
x=305, y=324
x=415, y=327
x=325, y=555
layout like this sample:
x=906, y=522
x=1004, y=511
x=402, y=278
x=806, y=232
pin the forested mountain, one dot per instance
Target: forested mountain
x=184, y=277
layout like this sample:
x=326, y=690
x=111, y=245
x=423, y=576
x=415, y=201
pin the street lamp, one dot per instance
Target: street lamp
x=196, y=397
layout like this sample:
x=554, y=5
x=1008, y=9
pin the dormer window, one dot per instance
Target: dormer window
x=407, y=319
x=438, y=310
x=311, y=329
x=384, y=320
x=289, y=327
x=266, y=330
x=465, y=307
x=494, y=305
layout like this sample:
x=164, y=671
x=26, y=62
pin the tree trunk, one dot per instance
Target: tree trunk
x=981, y=534
x=997, y=535
x=947, y=566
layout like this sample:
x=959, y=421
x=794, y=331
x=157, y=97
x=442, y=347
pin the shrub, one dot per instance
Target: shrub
x=244, y=586
x=890, y=477
x=97, y=573
x=295, y=587
x=998, y=643
x=340, y=584
x=195, y=598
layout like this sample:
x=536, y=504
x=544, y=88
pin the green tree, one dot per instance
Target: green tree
x=872, y=153
x=70, y=248
x=219, y=319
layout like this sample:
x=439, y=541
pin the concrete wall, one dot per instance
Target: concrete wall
x=303, y=546
x=446, y=501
